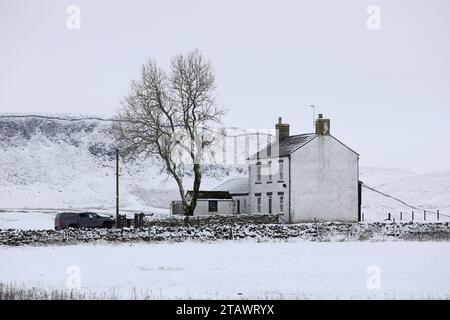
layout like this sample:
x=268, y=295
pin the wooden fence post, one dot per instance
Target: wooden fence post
x=438, y=214
x=412, y=216
x=424, y=215
x=389, y=216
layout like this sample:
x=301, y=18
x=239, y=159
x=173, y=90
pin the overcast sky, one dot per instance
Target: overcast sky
x=387, y=91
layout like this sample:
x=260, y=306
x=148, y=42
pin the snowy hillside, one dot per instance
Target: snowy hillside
x=429, y=192
x=55, y=164
x=70, y=164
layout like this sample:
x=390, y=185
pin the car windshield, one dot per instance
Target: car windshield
x=93, y=215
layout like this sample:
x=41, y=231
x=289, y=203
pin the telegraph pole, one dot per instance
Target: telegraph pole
x=117, y=185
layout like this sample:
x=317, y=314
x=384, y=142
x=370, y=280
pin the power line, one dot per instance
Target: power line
x=401, y=201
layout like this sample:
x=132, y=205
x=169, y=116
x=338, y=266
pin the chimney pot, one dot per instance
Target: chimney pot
x=281, y=129
x=322, y=126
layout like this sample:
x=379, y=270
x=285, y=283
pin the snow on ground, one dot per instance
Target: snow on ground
x=246, y=269
x=44, y=219
x=26, y=220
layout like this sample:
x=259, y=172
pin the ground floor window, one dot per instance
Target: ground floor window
x=258, y=204
x=212, y=206
x=270, y=204
x=281, y=204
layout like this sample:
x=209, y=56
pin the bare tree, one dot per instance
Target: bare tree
x=169, y=115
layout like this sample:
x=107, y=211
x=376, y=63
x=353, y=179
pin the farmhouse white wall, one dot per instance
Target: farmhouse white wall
x=265, y=186
x=324, y=181
x=223, y=206
x=244, y=205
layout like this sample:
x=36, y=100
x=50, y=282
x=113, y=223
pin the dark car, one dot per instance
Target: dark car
x=82, y=220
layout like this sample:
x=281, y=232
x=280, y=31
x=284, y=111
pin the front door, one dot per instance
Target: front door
x=238, y=203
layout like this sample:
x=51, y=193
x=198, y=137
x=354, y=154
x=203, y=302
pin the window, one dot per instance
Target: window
x=244, y=204
x=270, y=204
x=258, y=173
x=270, y=170
x=281, y=170
x=212, y=206
x=258, y=204
x=281, y=204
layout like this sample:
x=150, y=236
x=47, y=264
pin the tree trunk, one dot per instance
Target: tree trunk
x=196, y=189
x=187, y=212
x=186, y=221
x=190, y=208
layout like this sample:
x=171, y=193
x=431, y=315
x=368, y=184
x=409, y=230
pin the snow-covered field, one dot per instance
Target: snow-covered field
x=27, y=219
x=245, y=269
x=44, y=219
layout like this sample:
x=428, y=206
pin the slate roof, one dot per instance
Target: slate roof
x=212, y=195
x=234, y=186
x=288, y=145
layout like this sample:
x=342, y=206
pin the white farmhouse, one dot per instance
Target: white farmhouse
x=300, y=178
x=306, y=177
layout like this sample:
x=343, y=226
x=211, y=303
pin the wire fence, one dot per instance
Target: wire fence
x=416, y=214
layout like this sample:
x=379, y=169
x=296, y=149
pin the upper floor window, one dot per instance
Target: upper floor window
x=281, y=170
x=270, y=170
x=258, y=173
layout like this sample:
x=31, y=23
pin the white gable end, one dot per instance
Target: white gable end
x=324, y=181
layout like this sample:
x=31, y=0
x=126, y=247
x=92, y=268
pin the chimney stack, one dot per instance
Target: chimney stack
x=322, y=126
x=282, y=130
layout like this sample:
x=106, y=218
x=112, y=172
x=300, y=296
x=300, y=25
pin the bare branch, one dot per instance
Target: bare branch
x=163, y=114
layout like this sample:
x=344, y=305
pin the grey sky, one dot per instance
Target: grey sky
x=386, y=91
